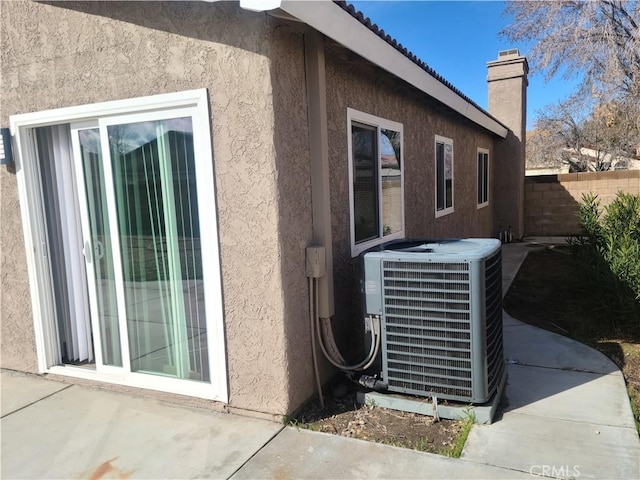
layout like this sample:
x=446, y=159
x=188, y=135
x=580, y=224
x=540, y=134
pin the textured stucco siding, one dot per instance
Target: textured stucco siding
x=64, y=54
x=17, y=338
x=365, y=88
x=293, y=177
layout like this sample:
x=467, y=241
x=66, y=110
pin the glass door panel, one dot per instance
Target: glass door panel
x=154, y=182
x=100, y=257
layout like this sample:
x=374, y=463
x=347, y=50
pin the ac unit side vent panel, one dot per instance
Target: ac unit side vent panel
x=441, y=313
x=493, y=301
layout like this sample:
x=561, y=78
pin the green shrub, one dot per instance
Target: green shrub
x=609, y=253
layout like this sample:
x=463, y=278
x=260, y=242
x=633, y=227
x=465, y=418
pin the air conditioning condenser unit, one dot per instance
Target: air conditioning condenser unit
x=440, y=304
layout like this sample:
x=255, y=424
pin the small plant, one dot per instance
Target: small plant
x=371, y=403
x=455, y=450
x=289, y=421
x=422, y=445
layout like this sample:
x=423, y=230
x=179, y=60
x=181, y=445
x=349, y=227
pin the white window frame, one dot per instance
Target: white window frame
x=488, y=172
x=378, y=123
x=451, y=209
x=35, y=235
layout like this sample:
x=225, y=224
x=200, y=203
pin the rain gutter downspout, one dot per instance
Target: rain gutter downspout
x=319, y=157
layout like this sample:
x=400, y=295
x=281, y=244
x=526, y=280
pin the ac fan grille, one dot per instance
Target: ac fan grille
x=428, y=329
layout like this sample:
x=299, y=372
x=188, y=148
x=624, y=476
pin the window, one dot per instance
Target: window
x=483, y=177
x=376, y=180
x=124, y=183
x=444, y=176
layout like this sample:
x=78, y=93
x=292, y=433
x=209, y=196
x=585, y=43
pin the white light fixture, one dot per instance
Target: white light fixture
x=260, y=5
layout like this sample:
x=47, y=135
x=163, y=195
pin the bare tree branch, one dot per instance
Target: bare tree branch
x=597, y=39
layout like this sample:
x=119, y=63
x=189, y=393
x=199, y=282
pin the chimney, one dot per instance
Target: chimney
x=507, y=83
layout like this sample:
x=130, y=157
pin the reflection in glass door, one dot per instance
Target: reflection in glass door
x=156, y=210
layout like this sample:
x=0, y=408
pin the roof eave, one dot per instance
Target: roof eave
x=334, y=22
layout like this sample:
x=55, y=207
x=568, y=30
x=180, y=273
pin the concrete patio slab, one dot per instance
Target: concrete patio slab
x=545, y=241
x=303, y=454
x=567, y=395
x=508, y=321
x=90, y=433
x=536, y=347
x=556, y=448
x=20, y=390
x=512, y=257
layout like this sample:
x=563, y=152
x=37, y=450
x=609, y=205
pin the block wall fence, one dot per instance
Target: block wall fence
x=551, y=201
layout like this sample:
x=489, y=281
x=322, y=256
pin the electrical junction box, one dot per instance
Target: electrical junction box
x=316, y=266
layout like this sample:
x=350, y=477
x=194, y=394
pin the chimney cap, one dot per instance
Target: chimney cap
x=511, y=53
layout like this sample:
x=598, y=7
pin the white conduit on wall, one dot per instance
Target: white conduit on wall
x=320, y=264
x=335, y=358
x=312, y=316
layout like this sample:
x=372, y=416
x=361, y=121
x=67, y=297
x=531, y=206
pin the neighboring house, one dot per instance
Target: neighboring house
x=173, y=161
x=566, y=157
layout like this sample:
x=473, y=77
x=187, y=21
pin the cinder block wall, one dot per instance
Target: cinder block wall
x=551, y=201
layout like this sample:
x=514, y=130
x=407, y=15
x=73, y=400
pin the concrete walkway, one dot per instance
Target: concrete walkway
x=565, y=414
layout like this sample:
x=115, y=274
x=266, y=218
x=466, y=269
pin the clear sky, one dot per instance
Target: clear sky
x=457, y=39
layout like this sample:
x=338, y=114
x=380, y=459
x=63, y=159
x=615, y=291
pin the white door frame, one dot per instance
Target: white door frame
x=195, y=102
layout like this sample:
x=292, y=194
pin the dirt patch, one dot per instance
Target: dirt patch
x=343, y=416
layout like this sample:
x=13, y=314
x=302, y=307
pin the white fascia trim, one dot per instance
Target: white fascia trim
x=332, y=21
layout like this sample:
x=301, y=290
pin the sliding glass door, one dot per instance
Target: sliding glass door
x=122, y=244
x=142, y=245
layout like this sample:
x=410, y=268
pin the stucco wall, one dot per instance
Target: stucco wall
x=17, y=341
x=291, y=139
x=552, y=201
x=362, y=87
x=64, y=54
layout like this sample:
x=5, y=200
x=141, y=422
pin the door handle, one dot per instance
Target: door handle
x=98, y=250
x=87, y=251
